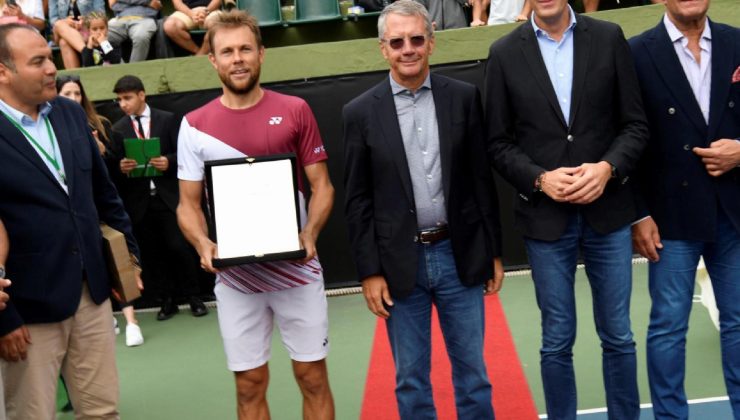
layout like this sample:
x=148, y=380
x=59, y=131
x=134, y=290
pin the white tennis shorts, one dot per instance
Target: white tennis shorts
x=246, y=323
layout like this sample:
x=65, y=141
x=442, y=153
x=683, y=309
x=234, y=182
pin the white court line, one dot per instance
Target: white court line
x=648, y=405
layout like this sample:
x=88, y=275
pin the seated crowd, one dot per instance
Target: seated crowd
x=89, y=34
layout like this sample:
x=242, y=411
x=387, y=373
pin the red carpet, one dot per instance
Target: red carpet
x=512, y=399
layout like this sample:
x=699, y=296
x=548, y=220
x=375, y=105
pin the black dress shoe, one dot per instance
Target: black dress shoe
x=168, y=310
x=197, y=307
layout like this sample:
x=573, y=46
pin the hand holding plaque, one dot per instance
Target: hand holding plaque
x=254, y=213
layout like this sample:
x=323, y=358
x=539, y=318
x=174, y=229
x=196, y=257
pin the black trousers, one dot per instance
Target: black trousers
x=170, y=264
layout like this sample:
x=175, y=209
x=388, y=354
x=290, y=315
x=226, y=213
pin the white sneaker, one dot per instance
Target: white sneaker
x=115, y=326
x=133, y=335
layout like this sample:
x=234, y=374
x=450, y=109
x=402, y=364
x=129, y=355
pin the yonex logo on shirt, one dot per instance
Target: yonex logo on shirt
x=275, y=120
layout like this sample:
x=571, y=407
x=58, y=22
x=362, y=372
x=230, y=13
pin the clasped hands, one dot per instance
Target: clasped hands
x=198, y=15
x=578, y=185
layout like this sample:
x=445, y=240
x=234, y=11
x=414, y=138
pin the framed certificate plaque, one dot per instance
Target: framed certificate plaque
x=254, y=213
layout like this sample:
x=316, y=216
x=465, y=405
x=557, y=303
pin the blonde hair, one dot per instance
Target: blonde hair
x=231, y=20
x=92, y=16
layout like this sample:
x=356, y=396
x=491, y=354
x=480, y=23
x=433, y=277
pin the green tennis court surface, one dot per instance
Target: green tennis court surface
x=180, y=371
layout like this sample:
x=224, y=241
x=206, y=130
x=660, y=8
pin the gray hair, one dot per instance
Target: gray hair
x=6, y=54
x=405, y=8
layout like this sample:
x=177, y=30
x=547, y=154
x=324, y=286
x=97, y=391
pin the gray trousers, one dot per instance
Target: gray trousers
x=140, y=30
x=447, y=14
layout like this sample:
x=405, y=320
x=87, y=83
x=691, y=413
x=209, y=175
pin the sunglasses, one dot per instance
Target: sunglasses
x=416, y=41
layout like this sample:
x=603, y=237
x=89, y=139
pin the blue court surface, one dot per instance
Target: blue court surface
x=703, y=409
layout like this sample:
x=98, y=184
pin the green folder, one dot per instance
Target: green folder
x=142, y=150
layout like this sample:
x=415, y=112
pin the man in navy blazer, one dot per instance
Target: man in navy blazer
x=422, y=214
x=566, y=128
x=689, y=71
x=55, y=192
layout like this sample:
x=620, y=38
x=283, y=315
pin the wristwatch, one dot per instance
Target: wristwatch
x=538, y=182
x=2, y=272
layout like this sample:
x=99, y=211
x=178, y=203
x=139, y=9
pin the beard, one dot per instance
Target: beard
x=232, y=87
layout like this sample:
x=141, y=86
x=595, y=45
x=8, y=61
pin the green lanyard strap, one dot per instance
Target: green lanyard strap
x=51, y=159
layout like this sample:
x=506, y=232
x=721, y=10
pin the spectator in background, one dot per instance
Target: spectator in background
x=135, y=20
x=65, y=18
x=447, y=14
x=373, y=5
x=70, y=87
x=24, y=11
x=152, y=202
x=593, y=5
x=189, y=15
x=497, y=12
x=96, y=50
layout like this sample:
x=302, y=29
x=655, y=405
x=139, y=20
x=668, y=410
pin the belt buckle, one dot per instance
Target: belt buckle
x=424, y=234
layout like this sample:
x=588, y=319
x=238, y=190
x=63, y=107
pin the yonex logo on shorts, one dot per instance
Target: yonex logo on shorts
x=275, y=120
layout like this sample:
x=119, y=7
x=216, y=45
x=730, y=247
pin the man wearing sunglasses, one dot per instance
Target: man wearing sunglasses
x=422, y=216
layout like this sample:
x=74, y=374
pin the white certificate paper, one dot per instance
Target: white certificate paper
x=254, y=208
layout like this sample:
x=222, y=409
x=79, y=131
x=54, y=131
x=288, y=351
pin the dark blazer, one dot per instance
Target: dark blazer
x=55, y=236
x=678, y=192
x=528, y=133
x=379, y=205
x=135, y=191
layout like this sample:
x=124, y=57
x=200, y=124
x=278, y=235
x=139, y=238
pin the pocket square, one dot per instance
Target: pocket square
x=736, y=75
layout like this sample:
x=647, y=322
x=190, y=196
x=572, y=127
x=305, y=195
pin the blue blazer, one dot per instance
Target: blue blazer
x=676, y=189
x=55, y=238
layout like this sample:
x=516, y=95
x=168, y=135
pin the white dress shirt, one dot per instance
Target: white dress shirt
x=699, y=74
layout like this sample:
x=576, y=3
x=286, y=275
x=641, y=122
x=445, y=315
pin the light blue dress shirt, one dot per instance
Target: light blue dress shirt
x=417, y=119
x=38, y=130
x=558, y=58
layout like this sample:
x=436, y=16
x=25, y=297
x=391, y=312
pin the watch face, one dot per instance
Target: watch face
x=2, y=272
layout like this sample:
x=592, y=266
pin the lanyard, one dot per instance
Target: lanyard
x=139, y=127
x=51, y=159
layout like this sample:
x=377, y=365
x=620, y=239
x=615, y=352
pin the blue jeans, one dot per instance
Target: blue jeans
x=461, y=317
x=672, y=289
x=609, y=270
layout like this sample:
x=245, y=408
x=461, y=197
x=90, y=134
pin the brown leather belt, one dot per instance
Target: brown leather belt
x=433, y=235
